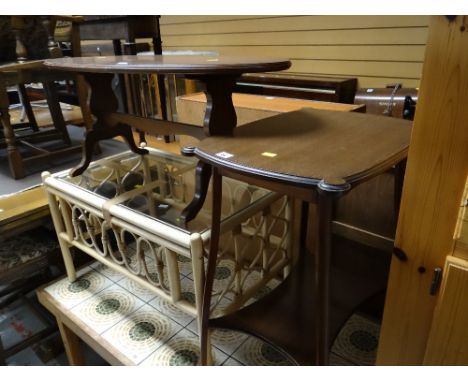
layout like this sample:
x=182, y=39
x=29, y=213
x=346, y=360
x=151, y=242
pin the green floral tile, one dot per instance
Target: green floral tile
x=108, y=272
x=160, y=274
x=223, y=277
x=88, y=283
x=232, y=362
x=146, y=294
x=358, y=340
x=141, y=333
x=184, y=262
x=255, y=277
x=185, y=265
x=226, y=340
x=336, y=360
x=181, y=350
x=169, y=309
x=143, y=293
x=255, y=352
x=107, y=308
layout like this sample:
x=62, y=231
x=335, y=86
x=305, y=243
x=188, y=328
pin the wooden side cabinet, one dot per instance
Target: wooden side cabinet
x=448, y=339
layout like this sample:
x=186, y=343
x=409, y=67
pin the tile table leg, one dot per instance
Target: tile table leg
x=72, y=345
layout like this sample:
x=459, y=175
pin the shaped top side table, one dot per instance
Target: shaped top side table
x=311, y=147
x=316, y=156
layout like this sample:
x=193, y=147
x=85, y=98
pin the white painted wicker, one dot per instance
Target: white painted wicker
x=123, y=211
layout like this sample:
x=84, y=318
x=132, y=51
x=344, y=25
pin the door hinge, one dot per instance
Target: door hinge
x=400, y=254
x=436, y=280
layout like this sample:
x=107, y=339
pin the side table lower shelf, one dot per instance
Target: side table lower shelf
x=286, y=319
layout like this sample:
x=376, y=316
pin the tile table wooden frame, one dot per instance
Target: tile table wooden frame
x=316, y=156
x=219, y=74
x=72, y=331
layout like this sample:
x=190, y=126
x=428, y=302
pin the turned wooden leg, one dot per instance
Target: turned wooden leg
x=27, y=107
x=56, y=111
x=14, y=157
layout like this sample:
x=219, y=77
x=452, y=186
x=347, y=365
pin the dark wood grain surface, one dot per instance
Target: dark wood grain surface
x=324, y=153
x=169, y=64
x=307, y=146
x=20, y=65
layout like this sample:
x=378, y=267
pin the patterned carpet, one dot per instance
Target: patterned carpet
x=151, y=331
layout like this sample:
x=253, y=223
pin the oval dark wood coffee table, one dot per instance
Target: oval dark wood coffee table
x=218, y=73
x=316, y=156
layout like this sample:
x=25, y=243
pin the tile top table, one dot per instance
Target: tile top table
x=125, y=329
x=218, y=73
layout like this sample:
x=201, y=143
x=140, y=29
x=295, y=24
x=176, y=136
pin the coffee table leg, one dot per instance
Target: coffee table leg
x=202, y=180
x=220, y=115
x=102, y=102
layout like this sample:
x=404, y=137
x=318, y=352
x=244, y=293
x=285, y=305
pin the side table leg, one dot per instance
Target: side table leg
x=27, y=107
x=328, y=191
x=322, y=277
x=211, y=268
x=72, y=345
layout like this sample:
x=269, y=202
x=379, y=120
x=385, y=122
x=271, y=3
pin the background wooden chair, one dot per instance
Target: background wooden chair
x=25, y=142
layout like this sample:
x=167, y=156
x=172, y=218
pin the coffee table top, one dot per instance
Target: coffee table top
x=20, y=65
x=185, y=64
x=125, y=181
x=307, y=147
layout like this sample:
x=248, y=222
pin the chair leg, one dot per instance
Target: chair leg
x=14, y=157
x=56, y=111
x=27, y=107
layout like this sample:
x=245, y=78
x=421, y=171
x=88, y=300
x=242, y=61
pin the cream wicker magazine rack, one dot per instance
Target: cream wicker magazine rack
x=124, y=212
